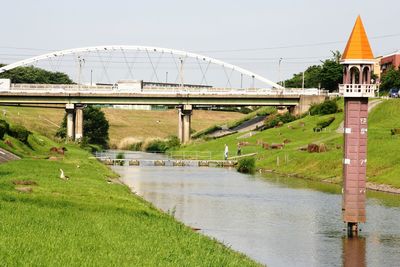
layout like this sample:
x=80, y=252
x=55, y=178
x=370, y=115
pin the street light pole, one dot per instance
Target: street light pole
x=279, y=71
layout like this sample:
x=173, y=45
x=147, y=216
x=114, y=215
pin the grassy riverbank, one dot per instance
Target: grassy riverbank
x=383, y=158
x=125, y=125
x=88, y=221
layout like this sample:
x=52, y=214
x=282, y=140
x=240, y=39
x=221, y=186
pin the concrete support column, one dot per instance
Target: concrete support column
x=78, y=122
x=305, y=103
x=184, y=121
x=70, y=109
x=180, y=125
x=355, y=161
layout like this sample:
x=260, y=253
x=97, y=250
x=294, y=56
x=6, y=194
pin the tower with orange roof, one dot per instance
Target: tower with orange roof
x=358, y=62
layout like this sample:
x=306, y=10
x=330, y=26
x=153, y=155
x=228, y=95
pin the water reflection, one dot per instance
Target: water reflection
x=276, y=221
x=354, y=249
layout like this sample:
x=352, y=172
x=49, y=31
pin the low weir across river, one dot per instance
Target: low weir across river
x=276, y=221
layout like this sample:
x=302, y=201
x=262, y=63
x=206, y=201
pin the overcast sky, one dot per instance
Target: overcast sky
x=253, y=34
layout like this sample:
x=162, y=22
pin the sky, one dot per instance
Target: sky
x=253, y=34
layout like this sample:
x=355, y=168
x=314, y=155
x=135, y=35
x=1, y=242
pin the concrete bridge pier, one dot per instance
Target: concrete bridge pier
x=70, y=109
x=305, y=103
x=78, y=122
x=184, y=121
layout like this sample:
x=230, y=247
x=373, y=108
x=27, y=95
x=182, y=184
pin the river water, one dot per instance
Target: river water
x=276, y=221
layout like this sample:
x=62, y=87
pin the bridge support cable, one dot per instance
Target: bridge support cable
x=54, y=66
x=156, y=67
x=203, y=72
x=130, y=67
x=228, y=76
x=152, y=65
x=105, y=65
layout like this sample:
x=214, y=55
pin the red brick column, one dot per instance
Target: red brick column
x=354, y=162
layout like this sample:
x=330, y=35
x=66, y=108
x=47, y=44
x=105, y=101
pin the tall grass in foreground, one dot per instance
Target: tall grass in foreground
x=90, y=220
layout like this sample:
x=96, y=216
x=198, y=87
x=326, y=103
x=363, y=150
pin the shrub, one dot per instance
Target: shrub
x=120, y=155
x=173, y=142
x=276, y=120
x=162, y=145
x=247, y=165
x=325, y=108
x=323, y=124
x=395, y=131
x=4, y=128
x=19, y=132
x=136, y=146
x=156, y=146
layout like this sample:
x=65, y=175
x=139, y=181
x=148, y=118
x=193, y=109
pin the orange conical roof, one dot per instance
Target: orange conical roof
x=358, y=45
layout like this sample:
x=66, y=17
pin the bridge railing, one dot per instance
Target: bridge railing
x=60, y=88
x=129, y=155
x=191, y=155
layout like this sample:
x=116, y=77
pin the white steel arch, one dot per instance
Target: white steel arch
x=141, y=49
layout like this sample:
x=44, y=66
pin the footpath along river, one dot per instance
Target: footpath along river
x=276, y=221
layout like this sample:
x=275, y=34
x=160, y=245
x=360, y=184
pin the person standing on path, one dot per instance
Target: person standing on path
x=239, y=149
x=226, y=152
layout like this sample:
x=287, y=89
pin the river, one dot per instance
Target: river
x=276, y=221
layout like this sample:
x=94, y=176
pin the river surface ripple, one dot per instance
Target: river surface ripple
x=276, y=221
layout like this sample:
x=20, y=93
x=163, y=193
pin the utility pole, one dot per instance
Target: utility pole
x=241, y=80
x=166, y=77
x=91, y=77
x=81, y=62
x=181, y=71
x=279, y=71
x=302, y=83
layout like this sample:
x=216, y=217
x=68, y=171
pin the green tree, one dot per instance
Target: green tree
x=95, y=127
x=332, y=72
x=328, y=75
x=311, y=78
x=32, y=74
x=390, y=79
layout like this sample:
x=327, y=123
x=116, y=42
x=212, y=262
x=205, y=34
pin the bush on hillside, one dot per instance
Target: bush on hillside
x=4, y=128
x=136, y=146
x=247, y=165
x=158, y=145
x=278, y=119
x=325, y=108
x=19, y=132
x=323, y=124
x=395, y=131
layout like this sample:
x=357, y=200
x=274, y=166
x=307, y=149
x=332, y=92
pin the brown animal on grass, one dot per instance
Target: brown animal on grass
x=24, y=182
x=58, y=150
x=277, y=146
x=314, y=148
x=244, y=143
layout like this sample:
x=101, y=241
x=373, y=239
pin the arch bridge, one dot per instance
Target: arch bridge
x=184, y=92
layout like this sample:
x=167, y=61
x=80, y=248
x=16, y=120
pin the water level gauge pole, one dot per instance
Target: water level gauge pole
x=356, y=89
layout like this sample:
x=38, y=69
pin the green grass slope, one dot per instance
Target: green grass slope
x=87, y=221
x=383, y=158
